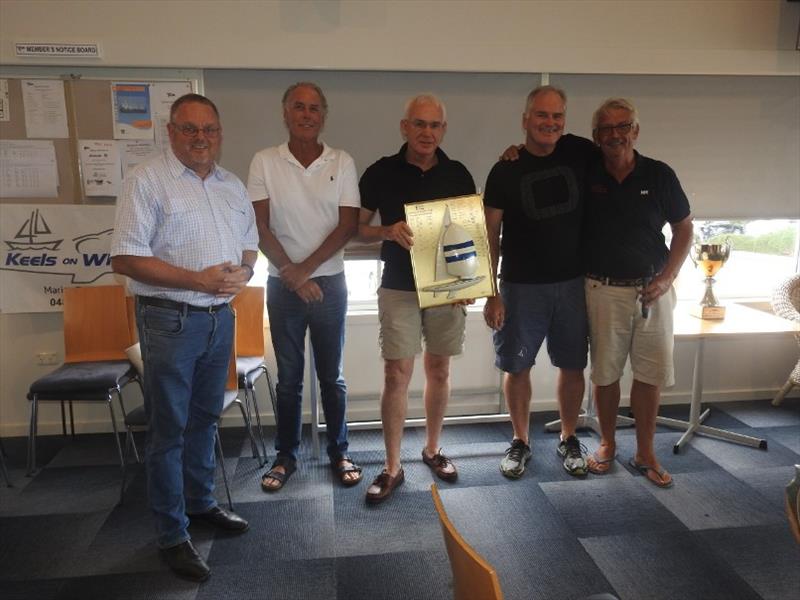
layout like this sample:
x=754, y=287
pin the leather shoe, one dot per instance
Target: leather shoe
x=222, y=519
x=441, y=465
x=184, y=560
x=383, y=486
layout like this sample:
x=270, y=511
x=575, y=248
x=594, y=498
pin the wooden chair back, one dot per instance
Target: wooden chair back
x=249, y=307
x=130, y=305
x=95, y=324
x=473, y=577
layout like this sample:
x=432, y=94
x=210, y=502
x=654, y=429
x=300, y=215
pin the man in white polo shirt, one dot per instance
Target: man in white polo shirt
x=306, y=200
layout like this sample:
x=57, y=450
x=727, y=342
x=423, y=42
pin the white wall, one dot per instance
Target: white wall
x=566, y=36
x=751, y=37
x=734, y=370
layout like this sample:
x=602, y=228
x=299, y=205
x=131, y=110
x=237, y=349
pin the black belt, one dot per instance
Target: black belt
x=181, y=306
x=617, y=282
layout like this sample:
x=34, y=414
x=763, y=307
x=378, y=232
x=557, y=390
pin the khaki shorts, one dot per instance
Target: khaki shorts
x=617, y=331
x=404, y=325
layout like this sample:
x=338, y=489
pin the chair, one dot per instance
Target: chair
x=793, y=503
x=96, y=333
x=473, y=577
x=136, y=421
x=786, y=304
x=250, y=365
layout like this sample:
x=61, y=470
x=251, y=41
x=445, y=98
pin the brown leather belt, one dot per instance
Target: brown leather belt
x=181, y=306
x=613, y=281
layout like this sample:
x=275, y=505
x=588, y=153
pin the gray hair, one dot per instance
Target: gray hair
x=614, y=104
x=543, y=89
x=308, y=84
x=426, y=98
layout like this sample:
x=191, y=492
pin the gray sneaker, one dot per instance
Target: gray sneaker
x=517, y=456
x=572, y=451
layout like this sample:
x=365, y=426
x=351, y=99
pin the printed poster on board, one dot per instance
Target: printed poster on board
x=133, y=118
x=46, y=247
x=450, y=255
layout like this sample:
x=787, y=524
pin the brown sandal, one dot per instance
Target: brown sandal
x=386, y=484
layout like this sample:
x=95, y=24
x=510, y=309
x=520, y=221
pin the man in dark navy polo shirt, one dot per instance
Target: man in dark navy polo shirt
x=630, y=270
x=419, y=171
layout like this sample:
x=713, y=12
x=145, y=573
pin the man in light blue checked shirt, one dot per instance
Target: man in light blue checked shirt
x=186, y=237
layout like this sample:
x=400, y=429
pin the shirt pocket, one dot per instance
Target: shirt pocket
x=240, y=216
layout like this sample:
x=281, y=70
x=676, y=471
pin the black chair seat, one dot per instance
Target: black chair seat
x=136, y=418
x=83, y=381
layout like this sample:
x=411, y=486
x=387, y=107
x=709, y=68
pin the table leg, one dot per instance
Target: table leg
x=587, y=419
x=694, y=424
x=312, y=392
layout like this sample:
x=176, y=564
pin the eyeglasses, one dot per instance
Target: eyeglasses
x=191, y=131
x=622, y=128
x=421, y=124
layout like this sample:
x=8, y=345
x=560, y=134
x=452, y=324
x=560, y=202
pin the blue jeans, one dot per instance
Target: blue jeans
x=289, y=318
x=185, y=358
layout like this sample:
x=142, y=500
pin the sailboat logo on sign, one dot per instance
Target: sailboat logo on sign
x=34, y=248
x=32, y=230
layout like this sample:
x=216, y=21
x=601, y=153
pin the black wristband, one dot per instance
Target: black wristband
x=252, y=271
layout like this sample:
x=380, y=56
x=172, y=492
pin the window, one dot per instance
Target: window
x=763, y=252
x=363, y=280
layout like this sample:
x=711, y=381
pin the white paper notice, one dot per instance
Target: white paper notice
x=5, y=109
x=134, y=152
x=164, y=93
x=45, y=108
x=28, y=169
x=101, y=169
x=162, y=135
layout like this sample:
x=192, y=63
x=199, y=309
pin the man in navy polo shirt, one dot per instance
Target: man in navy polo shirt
x=630, y=270
x=419, y=171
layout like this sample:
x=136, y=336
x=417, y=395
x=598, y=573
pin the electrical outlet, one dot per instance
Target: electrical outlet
x=46, y=358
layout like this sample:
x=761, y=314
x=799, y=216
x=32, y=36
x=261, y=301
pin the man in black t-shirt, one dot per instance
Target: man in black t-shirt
x=420, y=171
x=537, y=201
x=629, y=275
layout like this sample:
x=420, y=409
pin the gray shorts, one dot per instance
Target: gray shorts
x=535, y=311
x=404, y=325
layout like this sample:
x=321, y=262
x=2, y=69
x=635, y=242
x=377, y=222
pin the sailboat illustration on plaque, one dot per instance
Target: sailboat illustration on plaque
x=34, y=227
x=450, y=255
x=455, y=257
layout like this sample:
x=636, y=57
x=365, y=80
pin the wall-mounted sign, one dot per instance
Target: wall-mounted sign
x=58, y=50
x=44, y=247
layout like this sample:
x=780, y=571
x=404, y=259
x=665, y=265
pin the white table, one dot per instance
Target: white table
x=739, y=322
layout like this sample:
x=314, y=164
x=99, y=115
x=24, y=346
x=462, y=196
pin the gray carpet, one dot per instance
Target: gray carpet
x=720, y=532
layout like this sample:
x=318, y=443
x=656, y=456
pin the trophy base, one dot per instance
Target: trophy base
x=713, y=313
